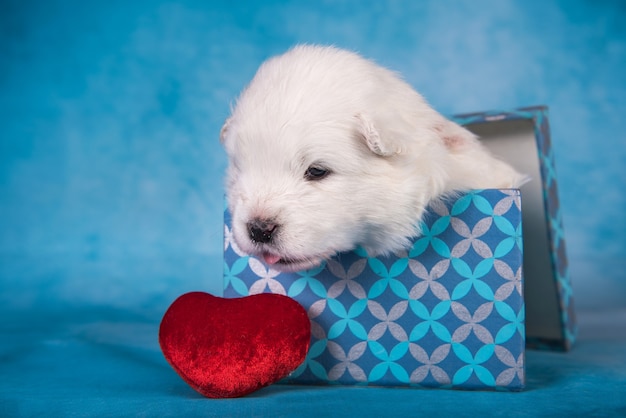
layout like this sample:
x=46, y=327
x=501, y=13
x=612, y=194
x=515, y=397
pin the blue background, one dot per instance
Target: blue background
x=111, y=172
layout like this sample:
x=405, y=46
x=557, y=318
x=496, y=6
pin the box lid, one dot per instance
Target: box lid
x=522, y=138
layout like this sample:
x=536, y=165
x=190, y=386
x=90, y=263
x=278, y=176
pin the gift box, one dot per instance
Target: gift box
x=522, y=138
x=448, y=312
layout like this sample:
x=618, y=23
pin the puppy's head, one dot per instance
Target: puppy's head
x=312, y=171
x=300, y=195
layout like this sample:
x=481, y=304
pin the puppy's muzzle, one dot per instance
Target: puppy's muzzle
x=261, y=231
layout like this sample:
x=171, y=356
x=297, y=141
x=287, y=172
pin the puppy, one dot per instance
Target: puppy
x=328, y=151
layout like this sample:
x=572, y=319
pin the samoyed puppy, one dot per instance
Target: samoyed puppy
x=329, y=151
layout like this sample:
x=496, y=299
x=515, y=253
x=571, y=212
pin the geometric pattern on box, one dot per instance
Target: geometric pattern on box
x=558, y=254
x=449, y=312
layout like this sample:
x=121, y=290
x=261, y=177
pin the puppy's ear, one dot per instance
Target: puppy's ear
x=371, y=136
x=454, y=136
x=224, y=129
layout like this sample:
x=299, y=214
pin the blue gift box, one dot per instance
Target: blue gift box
x=448, y=312
x=522, y=138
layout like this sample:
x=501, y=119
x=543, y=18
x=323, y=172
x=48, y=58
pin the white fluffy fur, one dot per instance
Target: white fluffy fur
x=389, y=154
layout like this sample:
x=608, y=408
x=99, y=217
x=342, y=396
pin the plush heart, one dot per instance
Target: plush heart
x=225, y=348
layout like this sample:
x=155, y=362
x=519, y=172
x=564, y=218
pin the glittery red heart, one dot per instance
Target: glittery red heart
x=225, y=348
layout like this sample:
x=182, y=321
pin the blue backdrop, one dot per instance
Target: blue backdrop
x=111, y=172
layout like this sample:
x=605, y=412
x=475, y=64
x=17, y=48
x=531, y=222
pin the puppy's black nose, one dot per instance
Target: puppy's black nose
x=261, y=231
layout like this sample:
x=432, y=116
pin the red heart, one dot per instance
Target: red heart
x=225, y=348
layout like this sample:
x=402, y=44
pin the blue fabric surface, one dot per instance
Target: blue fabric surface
x=111, y=174
x=106, y=362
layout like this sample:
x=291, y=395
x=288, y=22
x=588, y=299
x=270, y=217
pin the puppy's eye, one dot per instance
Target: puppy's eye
x=316, y=172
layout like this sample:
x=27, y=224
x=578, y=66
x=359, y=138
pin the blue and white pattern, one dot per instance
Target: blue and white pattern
x=560, y=273
x=449, y=312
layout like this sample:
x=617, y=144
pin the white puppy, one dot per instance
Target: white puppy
x=328, y=151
